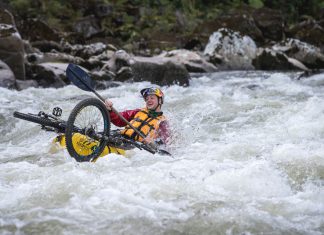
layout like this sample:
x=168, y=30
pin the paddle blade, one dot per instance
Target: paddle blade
x=79, y=77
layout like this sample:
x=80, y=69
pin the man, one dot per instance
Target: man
x=150, y=120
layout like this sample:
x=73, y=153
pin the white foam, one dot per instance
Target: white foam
x=248, y=158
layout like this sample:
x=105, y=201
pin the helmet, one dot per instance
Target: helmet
x=153, y=91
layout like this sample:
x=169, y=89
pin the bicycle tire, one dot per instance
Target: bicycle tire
x=71, y=128
x=37, y=119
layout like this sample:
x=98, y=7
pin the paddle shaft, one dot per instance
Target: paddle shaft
x=113, y=109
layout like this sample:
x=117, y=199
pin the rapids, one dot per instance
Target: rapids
x=248, y=158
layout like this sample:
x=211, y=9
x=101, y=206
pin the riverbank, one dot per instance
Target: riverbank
x=160, y=50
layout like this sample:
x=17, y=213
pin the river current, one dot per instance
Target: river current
x=248, y=158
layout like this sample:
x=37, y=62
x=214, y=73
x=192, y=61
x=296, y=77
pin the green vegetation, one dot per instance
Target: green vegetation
x=131, y=19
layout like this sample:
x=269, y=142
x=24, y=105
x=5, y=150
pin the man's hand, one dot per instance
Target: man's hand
x=108, y=104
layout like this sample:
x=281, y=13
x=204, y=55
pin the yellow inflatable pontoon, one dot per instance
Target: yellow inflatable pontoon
x=84, y=146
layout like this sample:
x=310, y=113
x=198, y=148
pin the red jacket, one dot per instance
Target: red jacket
x=163, y=133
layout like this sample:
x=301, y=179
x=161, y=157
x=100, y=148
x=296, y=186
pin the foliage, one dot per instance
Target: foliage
x=158, y=15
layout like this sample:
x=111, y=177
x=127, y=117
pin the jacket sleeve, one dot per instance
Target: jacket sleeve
x=127, y=114
x=164, y=133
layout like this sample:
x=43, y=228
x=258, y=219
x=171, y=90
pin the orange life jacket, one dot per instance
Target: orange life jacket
x=146, y=124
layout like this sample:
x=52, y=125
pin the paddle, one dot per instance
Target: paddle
x=82, y=80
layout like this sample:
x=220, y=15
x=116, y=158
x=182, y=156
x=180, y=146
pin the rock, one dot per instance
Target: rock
x=119, y=59
x=11, y=46
x=228, y=49
x=297, y=64
x=22, y=85
x=7, y=78
x=238, y=20
x=124, y=74
x=161, y=71
x=38, y=30
x=270, y=22
x=268, y=59
x=86, y=51
x=102, y=76
x=193, y=44
x=38, y=58
x=309, y=55
x=49, y=74
x=309, y=31
x=47, y=46
x=87, y=27
x=191, y=60
x=102, y=85
x=29, y=49
x=157, y=70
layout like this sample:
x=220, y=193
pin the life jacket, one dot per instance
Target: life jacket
x=145, y=123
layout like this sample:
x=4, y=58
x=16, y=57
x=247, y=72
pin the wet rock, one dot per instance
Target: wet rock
x=158, y=70
x=161, y=71
x=309, y=31
x=86, y=51
x=11, y=46
x=124, y=74
x=38, y=58
x=102, y=75
x=309, y=55
x=228, y=49
x=49, y=74
x=119, y=59
x=29, y=49
x=268, y=59
x=24, y=84
x=47, y=46
x=102, y=85
x=7, y=78
x=191, y=60
x=98, y=61
x=193, y=44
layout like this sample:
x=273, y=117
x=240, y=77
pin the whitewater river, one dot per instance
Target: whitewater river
x=248, y=158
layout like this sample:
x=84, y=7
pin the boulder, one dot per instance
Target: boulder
x=309, y=55
x=38, y=58
x=48, y=74
x=161, y=71
x=194, y=62
x=86, y=51
x=309, y=31
x=7, y=78
x=47, y=46
x=118, y=60
x=269, y=59
x=98, y=61
x=38, y=30
x=11, y=45
x=157, y=70
x=102, y=75
x=228, y=49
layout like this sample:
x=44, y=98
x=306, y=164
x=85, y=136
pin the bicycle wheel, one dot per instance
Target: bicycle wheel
x=91, y=119
x=37, y=119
